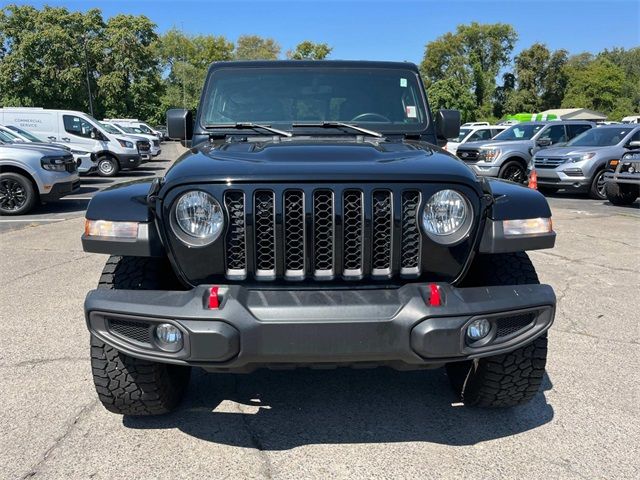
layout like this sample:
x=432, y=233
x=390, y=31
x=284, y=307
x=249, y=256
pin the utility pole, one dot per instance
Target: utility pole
x=86, y=64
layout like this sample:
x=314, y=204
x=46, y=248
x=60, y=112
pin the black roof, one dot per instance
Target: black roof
x=316, y=63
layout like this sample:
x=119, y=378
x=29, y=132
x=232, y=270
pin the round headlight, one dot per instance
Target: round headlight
x=447, y=217
x=200, y=217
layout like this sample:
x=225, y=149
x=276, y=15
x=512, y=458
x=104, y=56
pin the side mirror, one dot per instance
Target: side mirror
x=447, y=123
x=94, y=133
x=633, y=144
x=179, y=124
x=544, y=142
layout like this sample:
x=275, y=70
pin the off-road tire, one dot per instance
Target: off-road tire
x=508, y=379
x=128, y=385
x=108, y=166
x=621, y=194
x=28, y=194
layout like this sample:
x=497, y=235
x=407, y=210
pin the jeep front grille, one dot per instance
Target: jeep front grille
x=322, y=234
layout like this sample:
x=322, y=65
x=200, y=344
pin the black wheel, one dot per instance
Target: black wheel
x=512, y=378
x=513, y=171
x=597, y=189
x=547, y=190
x=621, y=194
x=128, y=385
x=108, y=167
x=17, y=195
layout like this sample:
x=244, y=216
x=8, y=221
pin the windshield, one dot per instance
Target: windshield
x=384, y=99
x=109, y=128
x=131, y=129
x=28, y=135
x=5, y=137
x=519, y=132
x=463, y=133
x=600, y=137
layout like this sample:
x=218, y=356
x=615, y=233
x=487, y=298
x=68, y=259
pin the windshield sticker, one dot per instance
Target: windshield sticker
x=411, y=111
x=403, y=82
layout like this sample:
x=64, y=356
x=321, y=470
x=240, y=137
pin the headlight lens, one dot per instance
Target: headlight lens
x=53, y=164
x=489, y=154
x=580, y=158
x=200, y=216
x=125, y=143
x=447, y=217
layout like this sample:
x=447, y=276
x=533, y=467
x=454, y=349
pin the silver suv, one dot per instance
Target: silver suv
x=33, y=173
x=581, y=164
x=508, y=154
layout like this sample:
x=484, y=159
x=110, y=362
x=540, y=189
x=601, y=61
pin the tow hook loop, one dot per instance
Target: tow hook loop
x=435, y=300
x=214, y=300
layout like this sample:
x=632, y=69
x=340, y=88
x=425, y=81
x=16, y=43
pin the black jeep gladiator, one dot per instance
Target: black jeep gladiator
x=315, y=222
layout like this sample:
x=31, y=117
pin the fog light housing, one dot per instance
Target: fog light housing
x=168, y=337
x=478, y=329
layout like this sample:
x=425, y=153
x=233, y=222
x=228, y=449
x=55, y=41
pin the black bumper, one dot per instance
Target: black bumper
x=59, y=190
x=281, y=328
x=129, y=160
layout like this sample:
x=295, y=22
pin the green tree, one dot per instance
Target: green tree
x=254, y=47
x=473, y=56
x=449, y=93
x=308, y=50
x=597, y=86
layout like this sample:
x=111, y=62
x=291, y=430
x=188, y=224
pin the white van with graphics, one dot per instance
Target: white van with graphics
x=79, y=131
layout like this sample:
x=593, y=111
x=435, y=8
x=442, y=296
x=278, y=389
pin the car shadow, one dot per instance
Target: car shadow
x=272, y=410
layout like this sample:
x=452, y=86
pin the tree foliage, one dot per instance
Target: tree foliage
x=253, y=47
x=309, y=50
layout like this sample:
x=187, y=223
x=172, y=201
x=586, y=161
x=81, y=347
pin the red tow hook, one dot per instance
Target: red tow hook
x=214, y=300
x=435, y=299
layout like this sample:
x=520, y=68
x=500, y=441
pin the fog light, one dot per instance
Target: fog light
x=478, y=329
x=169, y=337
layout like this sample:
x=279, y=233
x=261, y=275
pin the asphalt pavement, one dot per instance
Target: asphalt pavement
x=322, y=424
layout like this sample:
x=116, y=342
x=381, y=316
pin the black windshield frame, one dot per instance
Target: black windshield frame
x=420, y=127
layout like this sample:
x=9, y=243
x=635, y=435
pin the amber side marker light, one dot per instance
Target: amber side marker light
x=106, y=228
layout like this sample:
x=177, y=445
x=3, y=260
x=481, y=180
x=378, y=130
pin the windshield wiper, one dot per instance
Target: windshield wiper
x=339, y=124
x=253, y=126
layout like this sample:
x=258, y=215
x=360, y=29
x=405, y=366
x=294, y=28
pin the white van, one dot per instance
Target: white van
x=134, y=122
x=80, y=132
x=631, y=119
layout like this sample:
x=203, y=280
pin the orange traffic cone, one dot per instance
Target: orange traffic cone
x=533, y=180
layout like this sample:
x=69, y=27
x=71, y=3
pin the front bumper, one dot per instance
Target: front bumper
x=626, y=178
x=129, y=160
x=61, y=189
x=557, y=178
x=285, y=328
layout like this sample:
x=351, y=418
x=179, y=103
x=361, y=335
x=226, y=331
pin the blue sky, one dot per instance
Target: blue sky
x=388, y=30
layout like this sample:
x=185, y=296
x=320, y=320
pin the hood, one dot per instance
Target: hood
x=566, y=151
x=319, y=160
x=43, y=148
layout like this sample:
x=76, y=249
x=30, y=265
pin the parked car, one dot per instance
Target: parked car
x=86, y=160
x=79, y=131
x=162, y=129
x=148, y=145
x=581, y=164
x=473, y=134
x=475, y=124
x=508, y=154
x=622, y=178
x=334, y=233
x=631, y=119
x=137, y=133
x=134, y=122
x=30, y=174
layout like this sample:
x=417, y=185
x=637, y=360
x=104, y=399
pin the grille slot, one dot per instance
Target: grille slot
x=323, y=234
x=294, y=235
x=236, y=238
x=137, y=331
x=549, y=162
x=382, y=233
x=507, y=326
x=265, y=234
x=411, y=239
x=353, y=233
